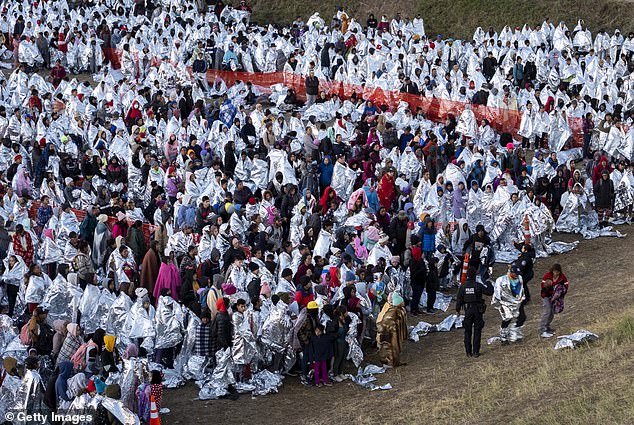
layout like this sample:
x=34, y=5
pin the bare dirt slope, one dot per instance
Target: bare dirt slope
x=526, y=383
x=459, y=18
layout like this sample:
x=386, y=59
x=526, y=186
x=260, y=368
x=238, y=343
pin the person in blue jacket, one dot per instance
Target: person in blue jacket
x=428, y=237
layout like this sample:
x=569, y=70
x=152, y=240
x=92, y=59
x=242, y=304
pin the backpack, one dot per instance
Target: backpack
x=25, y=335
x=203, y=298
x=254, y=287
x=79, y=358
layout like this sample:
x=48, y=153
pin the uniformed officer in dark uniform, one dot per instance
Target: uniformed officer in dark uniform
x=470, y=297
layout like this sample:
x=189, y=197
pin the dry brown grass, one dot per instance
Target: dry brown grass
x=537, y=385
x=459, y=18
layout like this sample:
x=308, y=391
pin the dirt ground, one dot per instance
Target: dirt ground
x=439, y=383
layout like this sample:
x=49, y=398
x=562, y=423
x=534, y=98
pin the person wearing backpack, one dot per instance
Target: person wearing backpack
x=213, y=294
x=87, y=355
x=40, y=333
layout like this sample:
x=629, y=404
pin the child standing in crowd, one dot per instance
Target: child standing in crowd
x=156, y=388
x=320, y=354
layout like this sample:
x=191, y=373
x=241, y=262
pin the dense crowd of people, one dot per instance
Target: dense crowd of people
x=240, y=228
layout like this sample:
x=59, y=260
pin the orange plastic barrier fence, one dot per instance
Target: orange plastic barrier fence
x=438, y=110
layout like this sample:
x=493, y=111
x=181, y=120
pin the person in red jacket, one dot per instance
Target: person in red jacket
x=58, y=73
x=304, y=294
x=23, y=245
x=244, y=7
x=554, y=288
x=133, y=114
x=602, y=165
x=387, y=191
x=35, y=103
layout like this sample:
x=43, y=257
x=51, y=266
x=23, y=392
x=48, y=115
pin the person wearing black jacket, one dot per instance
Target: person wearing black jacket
x=418, y=274
x=5, y=240
x=187, y=270
x=372, y=22
x=489, y=66
x=476, y=243
x=470, y=297
x=482, y=96
x=398, y=232
x=557, y=188
x=221, y=327
x=409, y=87
x=312, y=87
x=248, y=131
x=525, y=262
x=324, y=56
x=199, y=65
x=199, y=68
x=604, y=197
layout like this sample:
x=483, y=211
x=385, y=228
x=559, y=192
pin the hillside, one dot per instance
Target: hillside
x=459, y=18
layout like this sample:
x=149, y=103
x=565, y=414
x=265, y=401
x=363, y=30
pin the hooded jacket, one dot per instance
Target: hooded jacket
x=221, y=328
x=61, y=384
x=598, y=169
x=604, y=193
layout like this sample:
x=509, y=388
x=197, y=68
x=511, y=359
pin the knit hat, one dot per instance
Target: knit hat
x=396, y=299
x=102, y=218
x=120, y=216
x=100, y=386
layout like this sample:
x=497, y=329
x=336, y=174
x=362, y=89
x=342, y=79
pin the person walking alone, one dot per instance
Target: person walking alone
x=554, y=289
